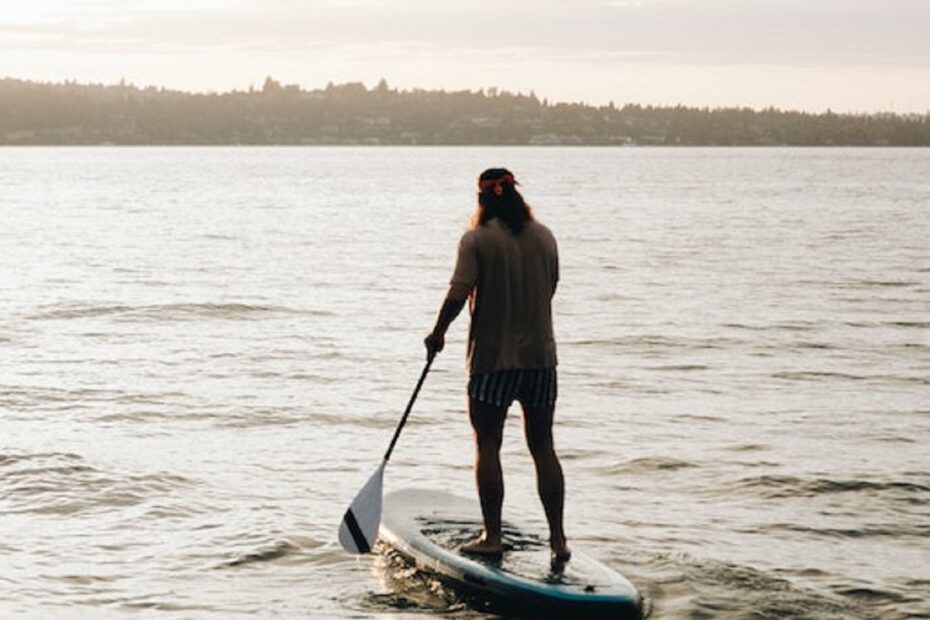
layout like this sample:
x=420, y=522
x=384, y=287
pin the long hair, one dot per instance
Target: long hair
x=498, y=197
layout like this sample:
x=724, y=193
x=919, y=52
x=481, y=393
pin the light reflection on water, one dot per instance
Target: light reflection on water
x=203, y=353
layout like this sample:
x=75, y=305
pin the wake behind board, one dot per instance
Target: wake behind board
x=428, y=527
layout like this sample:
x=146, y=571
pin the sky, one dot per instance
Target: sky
x=846, y=55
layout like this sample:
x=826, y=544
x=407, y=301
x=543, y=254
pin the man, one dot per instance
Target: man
x=507, y=268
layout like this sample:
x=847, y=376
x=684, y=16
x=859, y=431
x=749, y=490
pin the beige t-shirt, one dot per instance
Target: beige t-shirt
x=511, y=280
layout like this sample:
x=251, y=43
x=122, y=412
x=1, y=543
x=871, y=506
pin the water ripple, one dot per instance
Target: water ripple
x=773, y=486
x=64, y=484
x=172, y=312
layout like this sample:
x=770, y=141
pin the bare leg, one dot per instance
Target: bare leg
x=550, y=483
x=488, y=424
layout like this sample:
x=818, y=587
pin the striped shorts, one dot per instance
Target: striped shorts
x=532, y=387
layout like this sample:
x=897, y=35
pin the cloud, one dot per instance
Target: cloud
x=827, y=32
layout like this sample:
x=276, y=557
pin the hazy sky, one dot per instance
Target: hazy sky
x=858, y=55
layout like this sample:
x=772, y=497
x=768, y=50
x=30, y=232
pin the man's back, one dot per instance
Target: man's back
x=514, y=277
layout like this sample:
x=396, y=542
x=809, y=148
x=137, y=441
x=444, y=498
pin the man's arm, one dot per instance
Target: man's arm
x=451, y=307
x=463, y=281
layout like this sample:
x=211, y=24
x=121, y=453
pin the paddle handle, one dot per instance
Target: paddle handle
x=413, y=397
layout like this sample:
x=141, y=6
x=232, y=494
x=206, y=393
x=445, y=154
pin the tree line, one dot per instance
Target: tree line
x=70, y=113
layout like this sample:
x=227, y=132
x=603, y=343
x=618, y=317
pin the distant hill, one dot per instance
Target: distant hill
x=70, y=113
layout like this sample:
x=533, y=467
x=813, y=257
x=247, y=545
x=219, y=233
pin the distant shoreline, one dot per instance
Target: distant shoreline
x=72, y=114
x=870, y=147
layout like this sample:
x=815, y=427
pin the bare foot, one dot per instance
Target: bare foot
x=483, y=546
x=560, y=551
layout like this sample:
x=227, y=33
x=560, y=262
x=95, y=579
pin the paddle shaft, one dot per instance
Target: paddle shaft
x=403, y=420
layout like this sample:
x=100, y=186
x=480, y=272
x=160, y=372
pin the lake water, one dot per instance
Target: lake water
x=204, y=352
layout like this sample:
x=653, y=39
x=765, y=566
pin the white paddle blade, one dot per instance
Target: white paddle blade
x=359, y=527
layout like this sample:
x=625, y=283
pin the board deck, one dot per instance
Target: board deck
x=428, y=527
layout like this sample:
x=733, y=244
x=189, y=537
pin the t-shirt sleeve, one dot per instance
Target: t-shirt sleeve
x=555, y=278
x=465, y=275
x=554, y=261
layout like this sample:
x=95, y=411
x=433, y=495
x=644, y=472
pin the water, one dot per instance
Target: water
x=204, y=351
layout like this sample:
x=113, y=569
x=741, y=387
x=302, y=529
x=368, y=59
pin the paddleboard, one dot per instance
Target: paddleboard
x=428, y=527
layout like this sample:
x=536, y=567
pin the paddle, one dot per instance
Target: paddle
x=359, y=527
